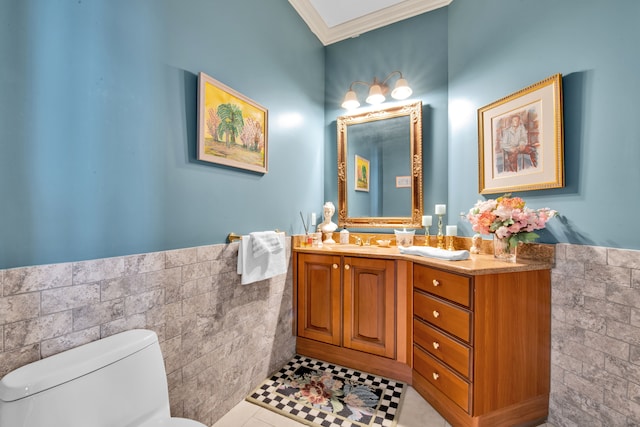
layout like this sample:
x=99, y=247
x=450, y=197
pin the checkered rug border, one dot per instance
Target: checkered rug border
x=266, y=395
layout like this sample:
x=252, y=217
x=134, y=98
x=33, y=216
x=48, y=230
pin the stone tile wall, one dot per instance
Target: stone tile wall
x=595, y=372
x=219, y=338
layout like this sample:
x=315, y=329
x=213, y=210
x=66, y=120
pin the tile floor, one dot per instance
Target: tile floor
x=415, y=412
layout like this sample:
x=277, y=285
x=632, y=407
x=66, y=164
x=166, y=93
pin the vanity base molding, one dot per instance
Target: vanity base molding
x=354, y=359
x=527, y=413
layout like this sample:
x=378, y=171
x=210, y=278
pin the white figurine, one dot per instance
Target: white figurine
x=327, y=227
x=476, y=244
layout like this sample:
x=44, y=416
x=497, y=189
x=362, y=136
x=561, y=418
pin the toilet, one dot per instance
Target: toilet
x=118, y=381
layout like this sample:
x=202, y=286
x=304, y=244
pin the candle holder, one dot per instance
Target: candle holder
x=440, y=234
x=427, y=236
x=450, y=243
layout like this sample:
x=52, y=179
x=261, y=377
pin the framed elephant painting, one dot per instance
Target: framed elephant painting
x=232, y=129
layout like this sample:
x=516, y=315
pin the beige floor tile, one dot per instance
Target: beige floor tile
x=254, y=422
x=238, y=416
x=274, y=419
x=415, y=412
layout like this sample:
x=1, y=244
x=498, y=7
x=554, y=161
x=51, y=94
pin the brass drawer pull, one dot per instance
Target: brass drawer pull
x=335, y=266
x=436, y=314
x=436, y=345
x=436, y=283
x=435, y=376
x=346, y=267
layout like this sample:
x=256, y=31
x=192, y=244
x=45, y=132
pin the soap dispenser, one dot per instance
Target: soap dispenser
x=344, y=236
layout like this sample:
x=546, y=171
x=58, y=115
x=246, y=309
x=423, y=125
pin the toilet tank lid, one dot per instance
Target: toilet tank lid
x=76, y=362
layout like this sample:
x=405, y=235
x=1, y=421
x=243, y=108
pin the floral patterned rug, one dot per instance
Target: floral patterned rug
x=318, y=393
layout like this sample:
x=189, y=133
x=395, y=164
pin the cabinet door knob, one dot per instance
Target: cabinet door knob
x=335, y=266
x=347, y=266
x=436, y=345
x=435, y=376
x=436, y=313
x=436, y=283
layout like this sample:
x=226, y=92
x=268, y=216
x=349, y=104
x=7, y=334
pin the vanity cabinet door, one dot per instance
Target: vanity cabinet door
x=319, y=297
x=369, y=305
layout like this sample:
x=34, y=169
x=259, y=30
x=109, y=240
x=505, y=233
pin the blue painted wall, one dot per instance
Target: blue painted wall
x=497, y=47
x=418, y=48
x=98, y=125
x=98, y=115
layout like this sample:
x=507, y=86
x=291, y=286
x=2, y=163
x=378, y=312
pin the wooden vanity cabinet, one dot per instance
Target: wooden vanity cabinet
x=347, y=311
x=481, y=354
x=320, y=298
x=369, y=306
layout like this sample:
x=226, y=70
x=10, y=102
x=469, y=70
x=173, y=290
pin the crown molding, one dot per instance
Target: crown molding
x=328, y=35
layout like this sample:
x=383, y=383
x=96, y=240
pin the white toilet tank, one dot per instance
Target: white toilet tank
x=118, y=381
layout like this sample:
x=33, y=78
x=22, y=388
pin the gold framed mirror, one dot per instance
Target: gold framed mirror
x=380, y=167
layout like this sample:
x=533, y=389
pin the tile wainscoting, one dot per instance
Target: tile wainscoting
x=595, y=333
x=220, y=339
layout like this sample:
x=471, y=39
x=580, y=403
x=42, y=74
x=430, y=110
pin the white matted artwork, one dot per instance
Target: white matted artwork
x=520, y=140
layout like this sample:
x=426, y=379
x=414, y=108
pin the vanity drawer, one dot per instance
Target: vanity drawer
x=445, y=285
x=454, y=387
x=447, y=317
x=451, y=352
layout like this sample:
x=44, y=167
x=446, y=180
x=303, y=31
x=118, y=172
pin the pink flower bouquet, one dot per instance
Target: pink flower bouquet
x=508, y=218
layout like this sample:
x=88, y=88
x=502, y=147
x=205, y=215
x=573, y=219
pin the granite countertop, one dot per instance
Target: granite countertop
x=477, y=264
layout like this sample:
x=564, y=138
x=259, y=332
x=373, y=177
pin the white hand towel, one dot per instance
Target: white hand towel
x=430, y=252
x=255, y=268
x=265, y=241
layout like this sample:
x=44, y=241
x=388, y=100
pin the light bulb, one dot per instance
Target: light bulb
x=375, y=95
x=401, y=90
x=350, y=101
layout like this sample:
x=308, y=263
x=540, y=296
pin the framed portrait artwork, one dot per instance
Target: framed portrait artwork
x=232, y=129
x=362, y=173
x=520, y=139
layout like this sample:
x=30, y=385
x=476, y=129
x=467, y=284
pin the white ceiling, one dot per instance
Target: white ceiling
x=335, y=20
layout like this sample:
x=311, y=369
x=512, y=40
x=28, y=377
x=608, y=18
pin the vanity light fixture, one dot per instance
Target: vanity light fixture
x=377, y=91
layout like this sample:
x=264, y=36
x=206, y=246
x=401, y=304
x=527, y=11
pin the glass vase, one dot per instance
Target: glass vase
x=502, y=250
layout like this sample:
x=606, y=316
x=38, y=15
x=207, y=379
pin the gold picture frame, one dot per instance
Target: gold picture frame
x=362, y=173
x=520, y=140
x=232, y=129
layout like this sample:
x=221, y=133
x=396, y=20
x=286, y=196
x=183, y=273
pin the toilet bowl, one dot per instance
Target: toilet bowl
x=118, y=381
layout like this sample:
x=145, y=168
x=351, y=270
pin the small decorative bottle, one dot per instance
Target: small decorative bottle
x=344, y=236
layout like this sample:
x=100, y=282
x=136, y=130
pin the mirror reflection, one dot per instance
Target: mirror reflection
x=380, y=167
x=385, y=145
